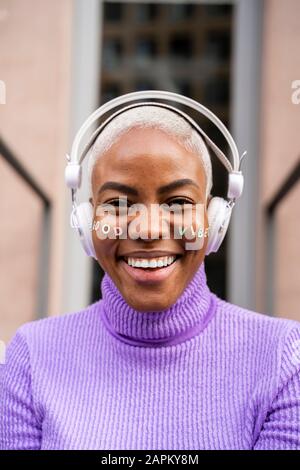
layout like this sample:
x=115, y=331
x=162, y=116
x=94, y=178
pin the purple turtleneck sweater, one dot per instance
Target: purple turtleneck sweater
x=204, y=374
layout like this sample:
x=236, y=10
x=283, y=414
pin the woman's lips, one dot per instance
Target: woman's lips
x=150, y=275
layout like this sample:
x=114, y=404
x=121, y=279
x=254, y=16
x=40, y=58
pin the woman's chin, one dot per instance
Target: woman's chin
x=151, y=305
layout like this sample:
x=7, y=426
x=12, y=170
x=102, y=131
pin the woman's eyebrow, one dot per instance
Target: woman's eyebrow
x=177, y=184
x=123, y=188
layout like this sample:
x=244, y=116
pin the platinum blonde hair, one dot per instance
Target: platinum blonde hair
x=159, y=118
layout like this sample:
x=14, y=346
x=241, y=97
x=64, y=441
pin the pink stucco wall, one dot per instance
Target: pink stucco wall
x=279, y=151
x=35, y=55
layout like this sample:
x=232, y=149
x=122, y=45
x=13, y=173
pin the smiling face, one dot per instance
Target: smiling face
x=148, y=166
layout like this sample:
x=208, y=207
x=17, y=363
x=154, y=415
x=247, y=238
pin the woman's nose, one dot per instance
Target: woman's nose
x=150, y=224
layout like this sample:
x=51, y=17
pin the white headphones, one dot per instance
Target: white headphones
x=219, y=210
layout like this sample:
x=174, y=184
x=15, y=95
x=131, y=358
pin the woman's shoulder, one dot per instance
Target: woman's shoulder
x=59, y=327
x=254, y=318
x=268, y=334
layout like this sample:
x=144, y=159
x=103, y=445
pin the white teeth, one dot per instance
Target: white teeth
x=150, y=262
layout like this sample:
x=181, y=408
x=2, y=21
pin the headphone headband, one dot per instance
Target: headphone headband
x=218, y=210
x=224, y=160
x=73, y=169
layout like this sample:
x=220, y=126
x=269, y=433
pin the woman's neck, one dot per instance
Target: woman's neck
x=186, y=318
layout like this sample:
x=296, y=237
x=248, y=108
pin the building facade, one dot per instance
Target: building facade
x=60, y=60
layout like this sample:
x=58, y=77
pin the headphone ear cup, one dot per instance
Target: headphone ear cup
x=218, y=214
x=84, y=222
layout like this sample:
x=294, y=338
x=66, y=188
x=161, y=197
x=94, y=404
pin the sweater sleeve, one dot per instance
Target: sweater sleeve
x=19, y=425
x=281, y=429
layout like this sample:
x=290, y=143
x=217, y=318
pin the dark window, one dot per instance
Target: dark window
x=144, y=84
x=184, y=88
x=113, y=11
x=181, y=11
x=145, y=48
x=215, y=11
x=110, y=91
x=145, y=11
x=181, y=46
x=112, y=53
x=218, y=45
x=216, y=92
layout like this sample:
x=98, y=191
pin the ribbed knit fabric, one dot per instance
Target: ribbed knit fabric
x=204, y=374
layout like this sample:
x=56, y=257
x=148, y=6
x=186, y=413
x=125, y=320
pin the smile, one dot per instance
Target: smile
x=151, y=263
x=149, y=270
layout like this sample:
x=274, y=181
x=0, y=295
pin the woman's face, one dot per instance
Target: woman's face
x=147, y=166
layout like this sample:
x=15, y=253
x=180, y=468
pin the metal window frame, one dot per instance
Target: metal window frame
x=286, y=187
x=44, y=255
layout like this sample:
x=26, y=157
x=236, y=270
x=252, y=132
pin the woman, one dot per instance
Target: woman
x=160, y=362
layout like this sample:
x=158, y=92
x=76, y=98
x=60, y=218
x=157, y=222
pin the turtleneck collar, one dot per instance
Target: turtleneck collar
x=186, y=318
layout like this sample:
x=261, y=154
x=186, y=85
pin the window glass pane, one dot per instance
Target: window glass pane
x=145, y=48
x=216, y=10
x=145, y=12
x=113, y=11
x=181, y=46
x=112, y=53
x=181, y=11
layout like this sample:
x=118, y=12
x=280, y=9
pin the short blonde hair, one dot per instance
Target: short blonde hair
x=156, y=117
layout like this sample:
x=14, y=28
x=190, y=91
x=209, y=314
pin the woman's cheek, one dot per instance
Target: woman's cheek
x=105, y=239
x=192, y=227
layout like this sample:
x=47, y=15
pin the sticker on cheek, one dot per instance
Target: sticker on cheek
x=191, y=227
x=107, y=228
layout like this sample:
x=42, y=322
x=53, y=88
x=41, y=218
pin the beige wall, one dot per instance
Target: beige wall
x=280, y=148
x=35, y=64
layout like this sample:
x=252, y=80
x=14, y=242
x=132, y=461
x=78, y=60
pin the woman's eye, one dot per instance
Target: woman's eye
x=115, y=206
x=118, y=203
x=180, y=201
